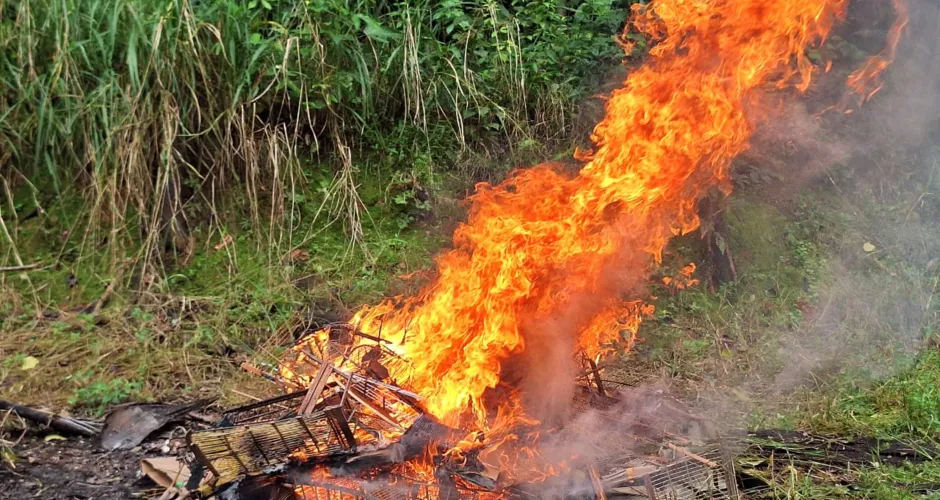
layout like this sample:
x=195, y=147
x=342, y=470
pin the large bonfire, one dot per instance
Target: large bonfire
x=549, y=257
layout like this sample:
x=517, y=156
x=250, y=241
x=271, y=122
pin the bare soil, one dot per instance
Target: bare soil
x=71, y=469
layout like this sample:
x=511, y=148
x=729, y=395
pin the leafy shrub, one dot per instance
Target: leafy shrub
x=99, y=395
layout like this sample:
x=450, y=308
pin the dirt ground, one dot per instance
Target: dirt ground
x=76, y=468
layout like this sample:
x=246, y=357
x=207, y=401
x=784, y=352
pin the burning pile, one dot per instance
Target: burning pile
x=366, y=437
x=464, y=379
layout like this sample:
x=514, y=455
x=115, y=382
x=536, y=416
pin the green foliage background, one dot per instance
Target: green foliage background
x=138, y=130
x=89, y=84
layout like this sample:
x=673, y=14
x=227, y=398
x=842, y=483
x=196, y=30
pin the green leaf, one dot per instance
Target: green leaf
x=8, y=456
x=721, y=244
x=132, y=59
x=375, y=31
x=266, y=4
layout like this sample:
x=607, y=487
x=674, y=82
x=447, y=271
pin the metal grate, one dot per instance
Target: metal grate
x=269, y=410
x=691, y=479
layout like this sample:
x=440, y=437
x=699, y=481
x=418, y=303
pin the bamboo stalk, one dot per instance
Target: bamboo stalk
x=596, y=483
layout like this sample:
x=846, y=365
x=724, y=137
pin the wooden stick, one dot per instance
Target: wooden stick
x=691, y=455
x=360, y=378
x=596, y=483
x=254, y=370
x=597, y=376
x=378, y=410
x=249, y=396
x=105, y=297
x=634, y=473
x=23, y=267
x=61, y=424
x=316, y=388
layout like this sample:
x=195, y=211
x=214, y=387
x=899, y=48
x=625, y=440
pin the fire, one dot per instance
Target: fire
x=615, y=325
x=865, y=82
x=542, y=240
x=546, y=247
x=683, y=280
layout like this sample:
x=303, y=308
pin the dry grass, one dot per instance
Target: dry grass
x=76, y=352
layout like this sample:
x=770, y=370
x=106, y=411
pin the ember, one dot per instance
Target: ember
x=469, y=388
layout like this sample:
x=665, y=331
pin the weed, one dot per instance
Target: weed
x=906, y=482
x=98, y=395
x=905, y=405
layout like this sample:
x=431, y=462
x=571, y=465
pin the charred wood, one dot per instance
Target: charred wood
x=61, y=424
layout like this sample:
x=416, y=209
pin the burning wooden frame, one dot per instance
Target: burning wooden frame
x=348, y=431
x=340, y=413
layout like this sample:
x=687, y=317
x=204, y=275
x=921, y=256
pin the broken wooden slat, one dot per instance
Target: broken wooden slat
x=61, y=424
x=597, y=376
x=316, y=388
x=691, y=455
x=374, y=408
x=596, y=483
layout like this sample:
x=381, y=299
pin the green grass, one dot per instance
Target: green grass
x=138, y=138
x=697, y=332
x=872, y=481
x=901, y=408
x=906, y=482
x=905, y=405
x=188, y=333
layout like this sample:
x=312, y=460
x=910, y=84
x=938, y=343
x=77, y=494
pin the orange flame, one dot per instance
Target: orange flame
x=682, y=280
x=542, y=244
x=541, y=239
x=615, y=325
x=866, y=81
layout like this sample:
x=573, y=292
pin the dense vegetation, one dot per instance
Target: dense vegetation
x=143, y=127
